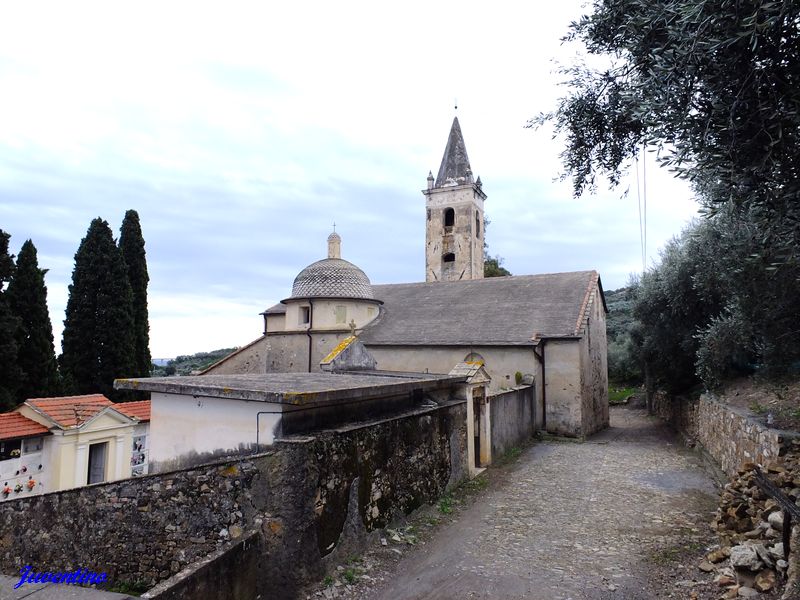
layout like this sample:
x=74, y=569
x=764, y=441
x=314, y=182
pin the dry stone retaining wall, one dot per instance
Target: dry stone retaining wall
x=728, y=434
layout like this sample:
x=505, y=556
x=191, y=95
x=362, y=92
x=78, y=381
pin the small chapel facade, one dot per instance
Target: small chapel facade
x=547, y=331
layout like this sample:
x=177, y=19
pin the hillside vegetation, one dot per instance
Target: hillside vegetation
x=623, y=366
x=186, y=365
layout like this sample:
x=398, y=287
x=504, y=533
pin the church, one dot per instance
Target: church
x=546, y=331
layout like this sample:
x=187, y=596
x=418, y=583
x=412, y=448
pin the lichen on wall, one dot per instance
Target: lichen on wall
x=136, y=530
x=385, y=461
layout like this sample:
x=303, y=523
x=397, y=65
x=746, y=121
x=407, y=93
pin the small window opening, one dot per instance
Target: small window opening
x=10, y=449
x=32, y=445
x=477, y=224
x=449, y=217
x=305, y=315
x=449, y=257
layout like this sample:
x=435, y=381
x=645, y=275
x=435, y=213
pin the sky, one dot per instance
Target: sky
x=240, y=132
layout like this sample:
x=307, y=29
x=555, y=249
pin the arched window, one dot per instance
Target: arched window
x=477, y=224
x=449, y=217
x=449, y=257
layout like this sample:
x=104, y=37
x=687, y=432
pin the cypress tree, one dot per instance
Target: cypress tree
x=131, y=244
x=10, y=373
x=27, y=299
x=98, y=338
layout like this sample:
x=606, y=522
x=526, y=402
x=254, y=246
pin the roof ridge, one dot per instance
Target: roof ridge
x=51, y=398
x=487, y=279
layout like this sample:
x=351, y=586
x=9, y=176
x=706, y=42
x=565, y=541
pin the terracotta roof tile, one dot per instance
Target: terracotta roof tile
x=70, y=411
x=139, y=410
x=14, y=426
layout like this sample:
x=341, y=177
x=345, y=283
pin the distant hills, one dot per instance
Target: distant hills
x=187, y=365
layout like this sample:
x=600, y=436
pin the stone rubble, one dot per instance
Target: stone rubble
x=749, y=562
x=344, y=580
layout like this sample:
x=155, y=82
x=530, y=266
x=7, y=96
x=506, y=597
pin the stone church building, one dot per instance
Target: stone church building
x=548, y=331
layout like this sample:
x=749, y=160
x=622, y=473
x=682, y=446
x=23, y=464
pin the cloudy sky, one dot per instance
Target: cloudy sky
x=241, y=131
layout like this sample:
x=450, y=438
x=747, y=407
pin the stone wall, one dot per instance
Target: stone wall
x=730, y=435
x=594, y=367
x=365, y=476
x=248, y=359
x=311, y=499
x=462, y=239
x=136, y=530
x=230, y=572
x=564, y=389
x=512, y=415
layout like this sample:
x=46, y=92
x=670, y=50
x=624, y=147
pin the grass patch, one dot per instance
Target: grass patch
x=618, y=395
x=666, y=556
x=508, y=456
x=136, y=588
x=328, y=581
x=677, y=553
x=475, y=485
x=446, y=504
x=350, y=575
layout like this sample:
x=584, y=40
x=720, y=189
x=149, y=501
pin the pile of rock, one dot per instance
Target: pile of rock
x=750, y=559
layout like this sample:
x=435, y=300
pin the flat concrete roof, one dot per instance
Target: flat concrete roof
x=293, y=388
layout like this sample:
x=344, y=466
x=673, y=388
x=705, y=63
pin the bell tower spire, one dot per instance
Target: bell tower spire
x=454, y=227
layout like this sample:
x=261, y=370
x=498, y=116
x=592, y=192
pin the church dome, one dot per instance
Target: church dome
x=332, y=277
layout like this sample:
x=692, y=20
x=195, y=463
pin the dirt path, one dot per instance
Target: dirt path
x=566, y=521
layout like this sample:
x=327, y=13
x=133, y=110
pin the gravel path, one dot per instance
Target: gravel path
x=565, y=521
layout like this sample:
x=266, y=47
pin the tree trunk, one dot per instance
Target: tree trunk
x=648, y=388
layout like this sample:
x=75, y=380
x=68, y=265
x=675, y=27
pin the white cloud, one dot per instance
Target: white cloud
x=241, y=133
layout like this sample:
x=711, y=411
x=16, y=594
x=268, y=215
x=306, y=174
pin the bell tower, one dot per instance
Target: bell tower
x=454, y=226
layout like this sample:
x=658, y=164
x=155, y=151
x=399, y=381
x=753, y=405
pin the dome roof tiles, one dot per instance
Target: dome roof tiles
x=332, y=278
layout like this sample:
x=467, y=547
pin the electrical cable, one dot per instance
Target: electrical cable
x=639, y=204
x=644, y=202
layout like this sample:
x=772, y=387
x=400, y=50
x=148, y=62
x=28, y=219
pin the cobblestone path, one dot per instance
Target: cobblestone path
x=567, y=521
